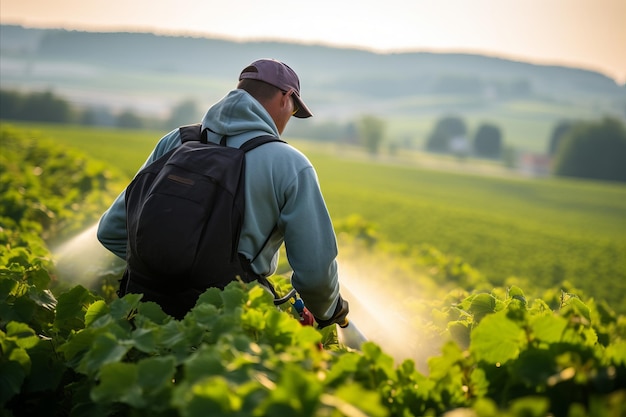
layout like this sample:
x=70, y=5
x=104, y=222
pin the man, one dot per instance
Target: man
x=283, y=199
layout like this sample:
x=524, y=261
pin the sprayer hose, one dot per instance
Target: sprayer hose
x=284, y=299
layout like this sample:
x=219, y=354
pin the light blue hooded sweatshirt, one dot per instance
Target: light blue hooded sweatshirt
x=282, y=195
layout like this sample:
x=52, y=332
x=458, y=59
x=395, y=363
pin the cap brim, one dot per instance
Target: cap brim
x=303, y=111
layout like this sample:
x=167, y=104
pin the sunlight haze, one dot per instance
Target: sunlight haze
x=581, y=33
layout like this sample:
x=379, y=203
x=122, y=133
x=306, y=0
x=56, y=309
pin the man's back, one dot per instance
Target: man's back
x=283, y=198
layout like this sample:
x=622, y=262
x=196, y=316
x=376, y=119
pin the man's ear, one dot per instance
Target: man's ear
x=285, y=100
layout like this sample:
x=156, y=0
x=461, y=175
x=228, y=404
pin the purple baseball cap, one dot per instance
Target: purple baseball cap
x=280, y=76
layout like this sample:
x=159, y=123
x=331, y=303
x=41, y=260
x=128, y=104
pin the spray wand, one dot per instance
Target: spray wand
x=347, y=332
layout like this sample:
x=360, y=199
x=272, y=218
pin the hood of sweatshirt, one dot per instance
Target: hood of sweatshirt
x=239, y=117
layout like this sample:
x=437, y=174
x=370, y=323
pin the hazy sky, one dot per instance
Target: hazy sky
x=583, y=33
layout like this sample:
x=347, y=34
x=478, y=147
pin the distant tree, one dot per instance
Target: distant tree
x=88, y=117
x=45, y=107
x=183, y=113
x=446, y=129
x=557, y=135
x=371, y=130
x=488, y=141
x=99, y=116
x=11, y=104
x=594, y=150
x=129, y=119
x=36, y=106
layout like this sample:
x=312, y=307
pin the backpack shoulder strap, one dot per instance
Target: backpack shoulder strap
x=258, y=141
x=192, y=132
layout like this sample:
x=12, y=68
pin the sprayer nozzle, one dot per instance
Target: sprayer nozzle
x=350, y=336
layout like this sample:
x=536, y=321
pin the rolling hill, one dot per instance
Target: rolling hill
x=151, y=73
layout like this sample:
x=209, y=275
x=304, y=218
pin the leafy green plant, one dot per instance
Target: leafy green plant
x=69, y=351
x=49, y=189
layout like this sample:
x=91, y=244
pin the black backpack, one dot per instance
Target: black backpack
x=184, y=214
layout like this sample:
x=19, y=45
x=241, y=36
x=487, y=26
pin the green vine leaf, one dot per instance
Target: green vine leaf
x=548, y=328
x=118, y=383
x=481, y=305
x=106, y=349
x=71, y=309
x=95, y=311
x=497, y=339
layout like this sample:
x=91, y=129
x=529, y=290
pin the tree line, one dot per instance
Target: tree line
x=580, y=149
x=48, y=107
x=589, y=149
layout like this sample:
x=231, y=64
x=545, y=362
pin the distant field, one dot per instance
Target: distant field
x=126, y=150
x=545, y=231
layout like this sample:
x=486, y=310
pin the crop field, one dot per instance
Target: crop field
x=124, y=150
x=542, y=232
x=476, y=348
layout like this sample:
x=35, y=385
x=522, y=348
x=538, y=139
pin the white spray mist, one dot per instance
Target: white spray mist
x=82, y=259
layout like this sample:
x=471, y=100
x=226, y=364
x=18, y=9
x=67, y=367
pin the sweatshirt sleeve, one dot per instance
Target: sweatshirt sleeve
x=112, y=225
x=311, y=245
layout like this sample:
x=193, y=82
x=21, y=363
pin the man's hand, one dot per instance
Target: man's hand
x=339, y=316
